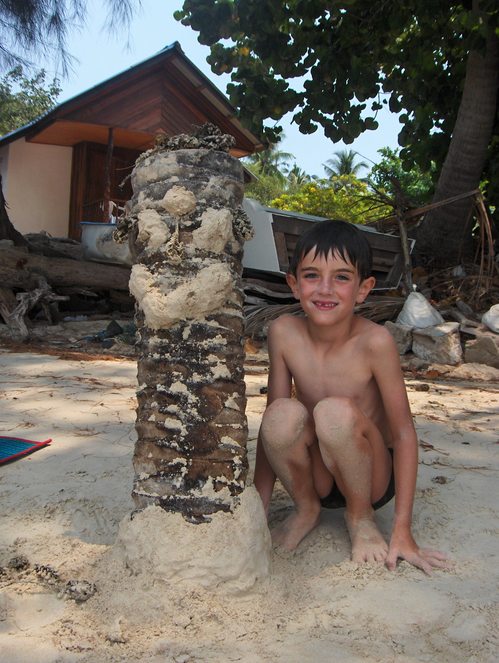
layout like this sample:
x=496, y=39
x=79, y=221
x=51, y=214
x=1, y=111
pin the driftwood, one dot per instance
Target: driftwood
x=19, y=269
x=48, y=271
x=58, y=247
x=41, y=295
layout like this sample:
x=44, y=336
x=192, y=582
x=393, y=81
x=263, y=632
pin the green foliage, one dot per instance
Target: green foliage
x=341, y=197
x=23, y=99
x=389, y=173
x=266, y=187
x=351, y=58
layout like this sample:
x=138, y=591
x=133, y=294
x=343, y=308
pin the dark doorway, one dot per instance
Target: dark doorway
x=88, y=183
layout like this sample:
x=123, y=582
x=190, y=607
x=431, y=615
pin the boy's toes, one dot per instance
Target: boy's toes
x=369, y=554
x=368, y=545
x=380, y=556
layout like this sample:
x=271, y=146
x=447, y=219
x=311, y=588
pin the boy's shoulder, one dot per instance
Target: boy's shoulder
x=372, y=332
x=286, y=323
x=376, y=344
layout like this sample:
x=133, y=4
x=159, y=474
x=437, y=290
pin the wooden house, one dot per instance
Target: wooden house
x=66, y=166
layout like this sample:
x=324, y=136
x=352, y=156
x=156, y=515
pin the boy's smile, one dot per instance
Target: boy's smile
x=327, y=285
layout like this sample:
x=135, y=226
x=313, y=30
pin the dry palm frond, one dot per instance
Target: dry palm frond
x=380, y=308
x=376, y=308
x=258, y=317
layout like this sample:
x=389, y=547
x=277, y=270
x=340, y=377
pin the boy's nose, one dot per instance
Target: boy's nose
x=326, y=286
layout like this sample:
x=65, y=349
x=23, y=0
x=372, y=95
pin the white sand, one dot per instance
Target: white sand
x=62, y=507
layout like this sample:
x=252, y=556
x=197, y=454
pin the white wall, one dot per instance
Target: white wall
x=36, y=186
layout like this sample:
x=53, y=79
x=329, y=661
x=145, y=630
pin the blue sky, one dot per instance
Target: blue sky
x=100, y=55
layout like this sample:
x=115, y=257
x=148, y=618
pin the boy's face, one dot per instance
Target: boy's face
x=328, y=288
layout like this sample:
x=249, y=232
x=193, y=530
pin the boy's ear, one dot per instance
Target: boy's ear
x=291, y=281
x=365, y=288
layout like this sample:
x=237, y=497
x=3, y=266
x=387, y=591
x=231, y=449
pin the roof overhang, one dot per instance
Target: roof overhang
x=58, y=128
x=68, y=133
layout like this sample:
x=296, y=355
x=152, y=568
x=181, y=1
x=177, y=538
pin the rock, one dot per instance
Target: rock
x=440, y=344
x=115, y=634
x=113, y=329
x=479, y=372
x=411, y=363
x=19, y=563
x=484, y=349
x=435, y=371
x=79, y=590
x=418, y=312
x=465, y=308
x=402, y=335
x=491, y=318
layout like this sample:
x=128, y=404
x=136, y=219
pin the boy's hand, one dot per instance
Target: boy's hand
x=403, y=546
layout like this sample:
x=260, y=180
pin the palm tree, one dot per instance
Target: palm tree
x=190, y=455
x=271, y=161
x=41, y=27
x=297, y=177
x=343, y=163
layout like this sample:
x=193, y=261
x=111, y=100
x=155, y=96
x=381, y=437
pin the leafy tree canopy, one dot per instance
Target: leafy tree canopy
x=388, y=174
x=335, y=63
x=341, y=197
x=23, y=99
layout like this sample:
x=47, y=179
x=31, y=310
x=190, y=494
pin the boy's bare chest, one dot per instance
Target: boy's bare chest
x=342, y=372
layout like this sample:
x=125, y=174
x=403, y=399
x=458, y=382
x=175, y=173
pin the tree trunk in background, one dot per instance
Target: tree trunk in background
x=189, y=229
x=7, y=230
x=444, y=237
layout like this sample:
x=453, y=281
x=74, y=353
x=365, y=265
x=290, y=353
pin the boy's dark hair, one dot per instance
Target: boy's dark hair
x=332, y=236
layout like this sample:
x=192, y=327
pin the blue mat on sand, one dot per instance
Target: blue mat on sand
x=12, y=448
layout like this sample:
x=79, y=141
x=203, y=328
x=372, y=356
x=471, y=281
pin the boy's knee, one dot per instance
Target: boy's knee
x=335, y=415
x=283, y=421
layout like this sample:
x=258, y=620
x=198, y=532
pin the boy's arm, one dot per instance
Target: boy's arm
x=390, y=380
x=278, y=386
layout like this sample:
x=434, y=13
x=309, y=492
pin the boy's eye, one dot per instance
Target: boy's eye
x=310, y=275
x=343, y=277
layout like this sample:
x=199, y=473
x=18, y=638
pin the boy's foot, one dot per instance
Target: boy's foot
x=290, y=532
x=368, y=544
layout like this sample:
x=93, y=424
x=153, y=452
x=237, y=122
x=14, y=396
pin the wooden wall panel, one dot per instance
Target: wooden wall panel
x=87, y=182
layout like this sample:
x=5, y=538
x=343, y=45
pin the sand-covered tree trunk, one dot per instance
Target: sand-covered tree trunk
x=195, y=519
x=189, y=231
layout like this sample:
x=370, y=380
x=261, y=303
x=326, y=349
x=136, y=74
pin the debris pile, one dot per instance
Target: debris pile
x=422, y=329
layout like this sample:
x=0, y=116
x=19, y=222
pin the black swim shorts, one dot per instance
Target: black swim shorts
x=336, y=500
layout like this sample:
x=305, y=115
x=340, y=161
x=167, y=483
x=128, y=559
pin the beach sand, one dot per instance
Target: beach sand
x=61, y=508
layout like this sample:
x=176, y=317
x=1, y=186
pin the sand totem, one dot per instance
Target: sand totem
x=188, y=234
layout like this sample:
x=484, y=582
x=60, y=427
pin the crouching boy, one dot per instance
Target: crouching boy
x=347, y=438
